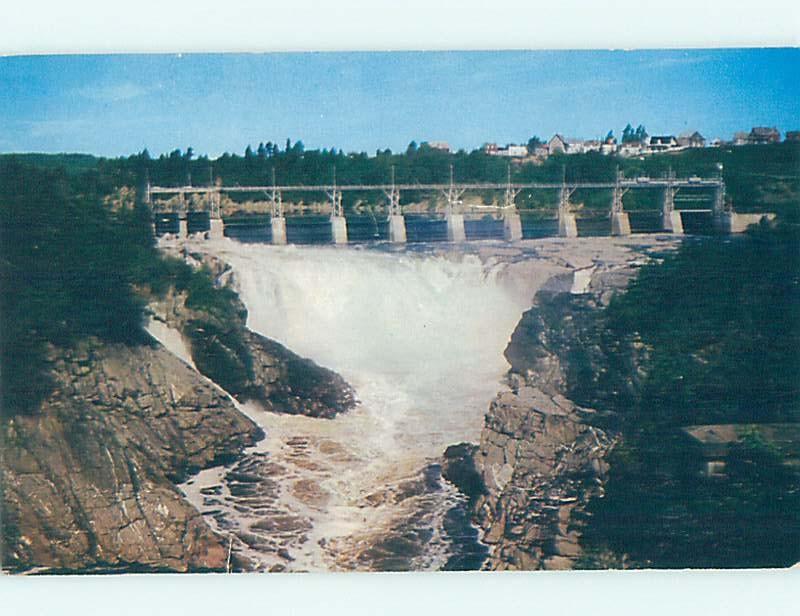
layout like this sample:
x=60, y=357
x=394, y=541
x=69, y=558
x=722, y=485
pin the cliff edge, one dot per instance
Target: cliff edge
x=541, y=456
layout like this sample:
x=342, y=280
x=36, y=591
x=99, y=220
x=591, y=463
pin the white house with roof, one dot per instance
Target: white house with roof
x=691, y=140
x=629, y=149
x=662, y=143
x=557, y=145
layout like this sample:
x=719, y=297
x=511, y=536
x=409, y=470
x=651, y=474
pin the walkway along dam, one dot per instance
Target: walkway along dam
x=186, y=210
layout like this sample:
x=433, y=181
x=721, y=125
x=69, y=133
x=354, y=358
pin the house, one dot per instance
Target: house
x=792, y=136
x=557, y=145
x=592, y=145
x=631, y=148
x=662, y=143
x=763, y=134
x=575, y=146
x=541, y=151
x=609, y=146
x=716, y=142
x=715, y=443
x=440, y=145
x=740, y=138
x=511, y=150
x=693, y=140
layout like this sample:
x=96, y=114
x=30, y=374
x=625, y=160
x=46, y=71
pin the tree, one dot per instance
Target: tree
x=533, y=142
x=412, y=148
x=609, y=137
x=641, y=133
x=628, y=134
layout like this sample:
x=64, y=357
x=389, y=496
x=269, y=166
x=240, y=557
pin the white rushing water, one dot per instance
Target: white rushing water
x=420, y=337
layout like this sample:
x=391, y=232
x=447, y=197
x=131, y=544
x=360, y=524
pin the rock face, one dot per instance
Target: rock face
x=88, y=481
x=248, y=365
x=540, y=458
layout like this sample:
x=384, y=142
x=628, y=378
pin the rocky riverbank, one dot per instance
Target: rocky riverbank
x=541, y=456
x=89, y=480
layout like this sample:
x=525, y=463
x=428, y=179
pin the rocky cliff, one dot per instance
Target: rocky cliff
x=246, y=364
x=541, y=455
x=89, y=480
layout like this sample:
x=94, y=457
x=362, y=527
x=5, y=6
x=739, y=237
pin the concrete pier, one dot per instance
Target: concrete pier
x=672, y=221
x=216, y=230
x=183, y=229
x=567, y=225
x=733, y=222
x=338, y=229
x=512, y=227
x=278, y=227
x=620, y=223
x=397, y=229
x=455, y=228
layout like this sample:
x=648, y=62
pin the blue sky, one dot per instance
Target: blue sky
x=119, y=104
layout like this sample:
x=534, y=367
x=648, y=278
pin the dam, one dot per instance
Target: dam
x=187, y=210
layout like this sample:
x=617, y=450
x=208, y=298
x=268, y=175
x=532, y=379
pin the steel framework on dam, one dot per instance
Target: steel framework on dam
x=452, y=191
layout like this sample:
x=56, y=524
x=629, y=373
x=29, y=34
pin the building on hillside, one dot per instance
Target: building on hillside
x=740, y=138
x=541, y=151
x=662, y=143
x=609, y=146
x=715, y=444
x=692, y=140
x=575, y=146
x=440, y=145
x=557, y=145
x=628, y=149
x=716, y=142
x=792, y=136
x=511, y=150
x=763, y=134
x=592, y=145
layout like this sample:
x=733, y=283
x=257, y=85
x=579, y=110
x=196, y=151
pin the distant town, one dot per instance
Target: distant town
x=633, y=143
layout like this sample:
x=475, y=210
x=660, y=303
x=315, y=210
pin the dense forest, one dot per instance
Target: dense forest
x=710, y=335
x=73, y=267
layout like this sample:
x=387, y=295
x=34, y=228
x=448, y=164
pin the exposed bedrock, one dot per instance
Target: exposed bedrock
x=247, y=365
x=541, y=456
x=89, y=480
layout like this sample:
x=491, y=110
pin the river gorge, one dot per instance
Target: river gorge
x=420, y=335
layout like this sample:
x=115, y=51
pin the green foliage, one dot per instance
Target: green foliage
x=222, y=355
x=67, y=271
x=717, y=325
x=71, y=267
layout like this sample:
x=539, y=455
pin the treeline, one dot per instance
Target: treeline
x=70, y=268
x=764, y=177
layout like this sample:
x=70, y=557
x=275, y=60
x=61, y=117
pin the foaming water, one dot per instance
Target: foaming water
x=421, y=338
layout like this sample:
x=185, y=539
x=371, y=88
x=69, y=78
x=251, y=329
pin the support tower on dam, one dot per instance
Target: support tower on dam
x=174, y=216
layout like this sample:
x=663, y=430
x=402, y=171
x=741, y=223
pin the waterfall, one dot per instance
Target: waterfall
x=420, y=337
